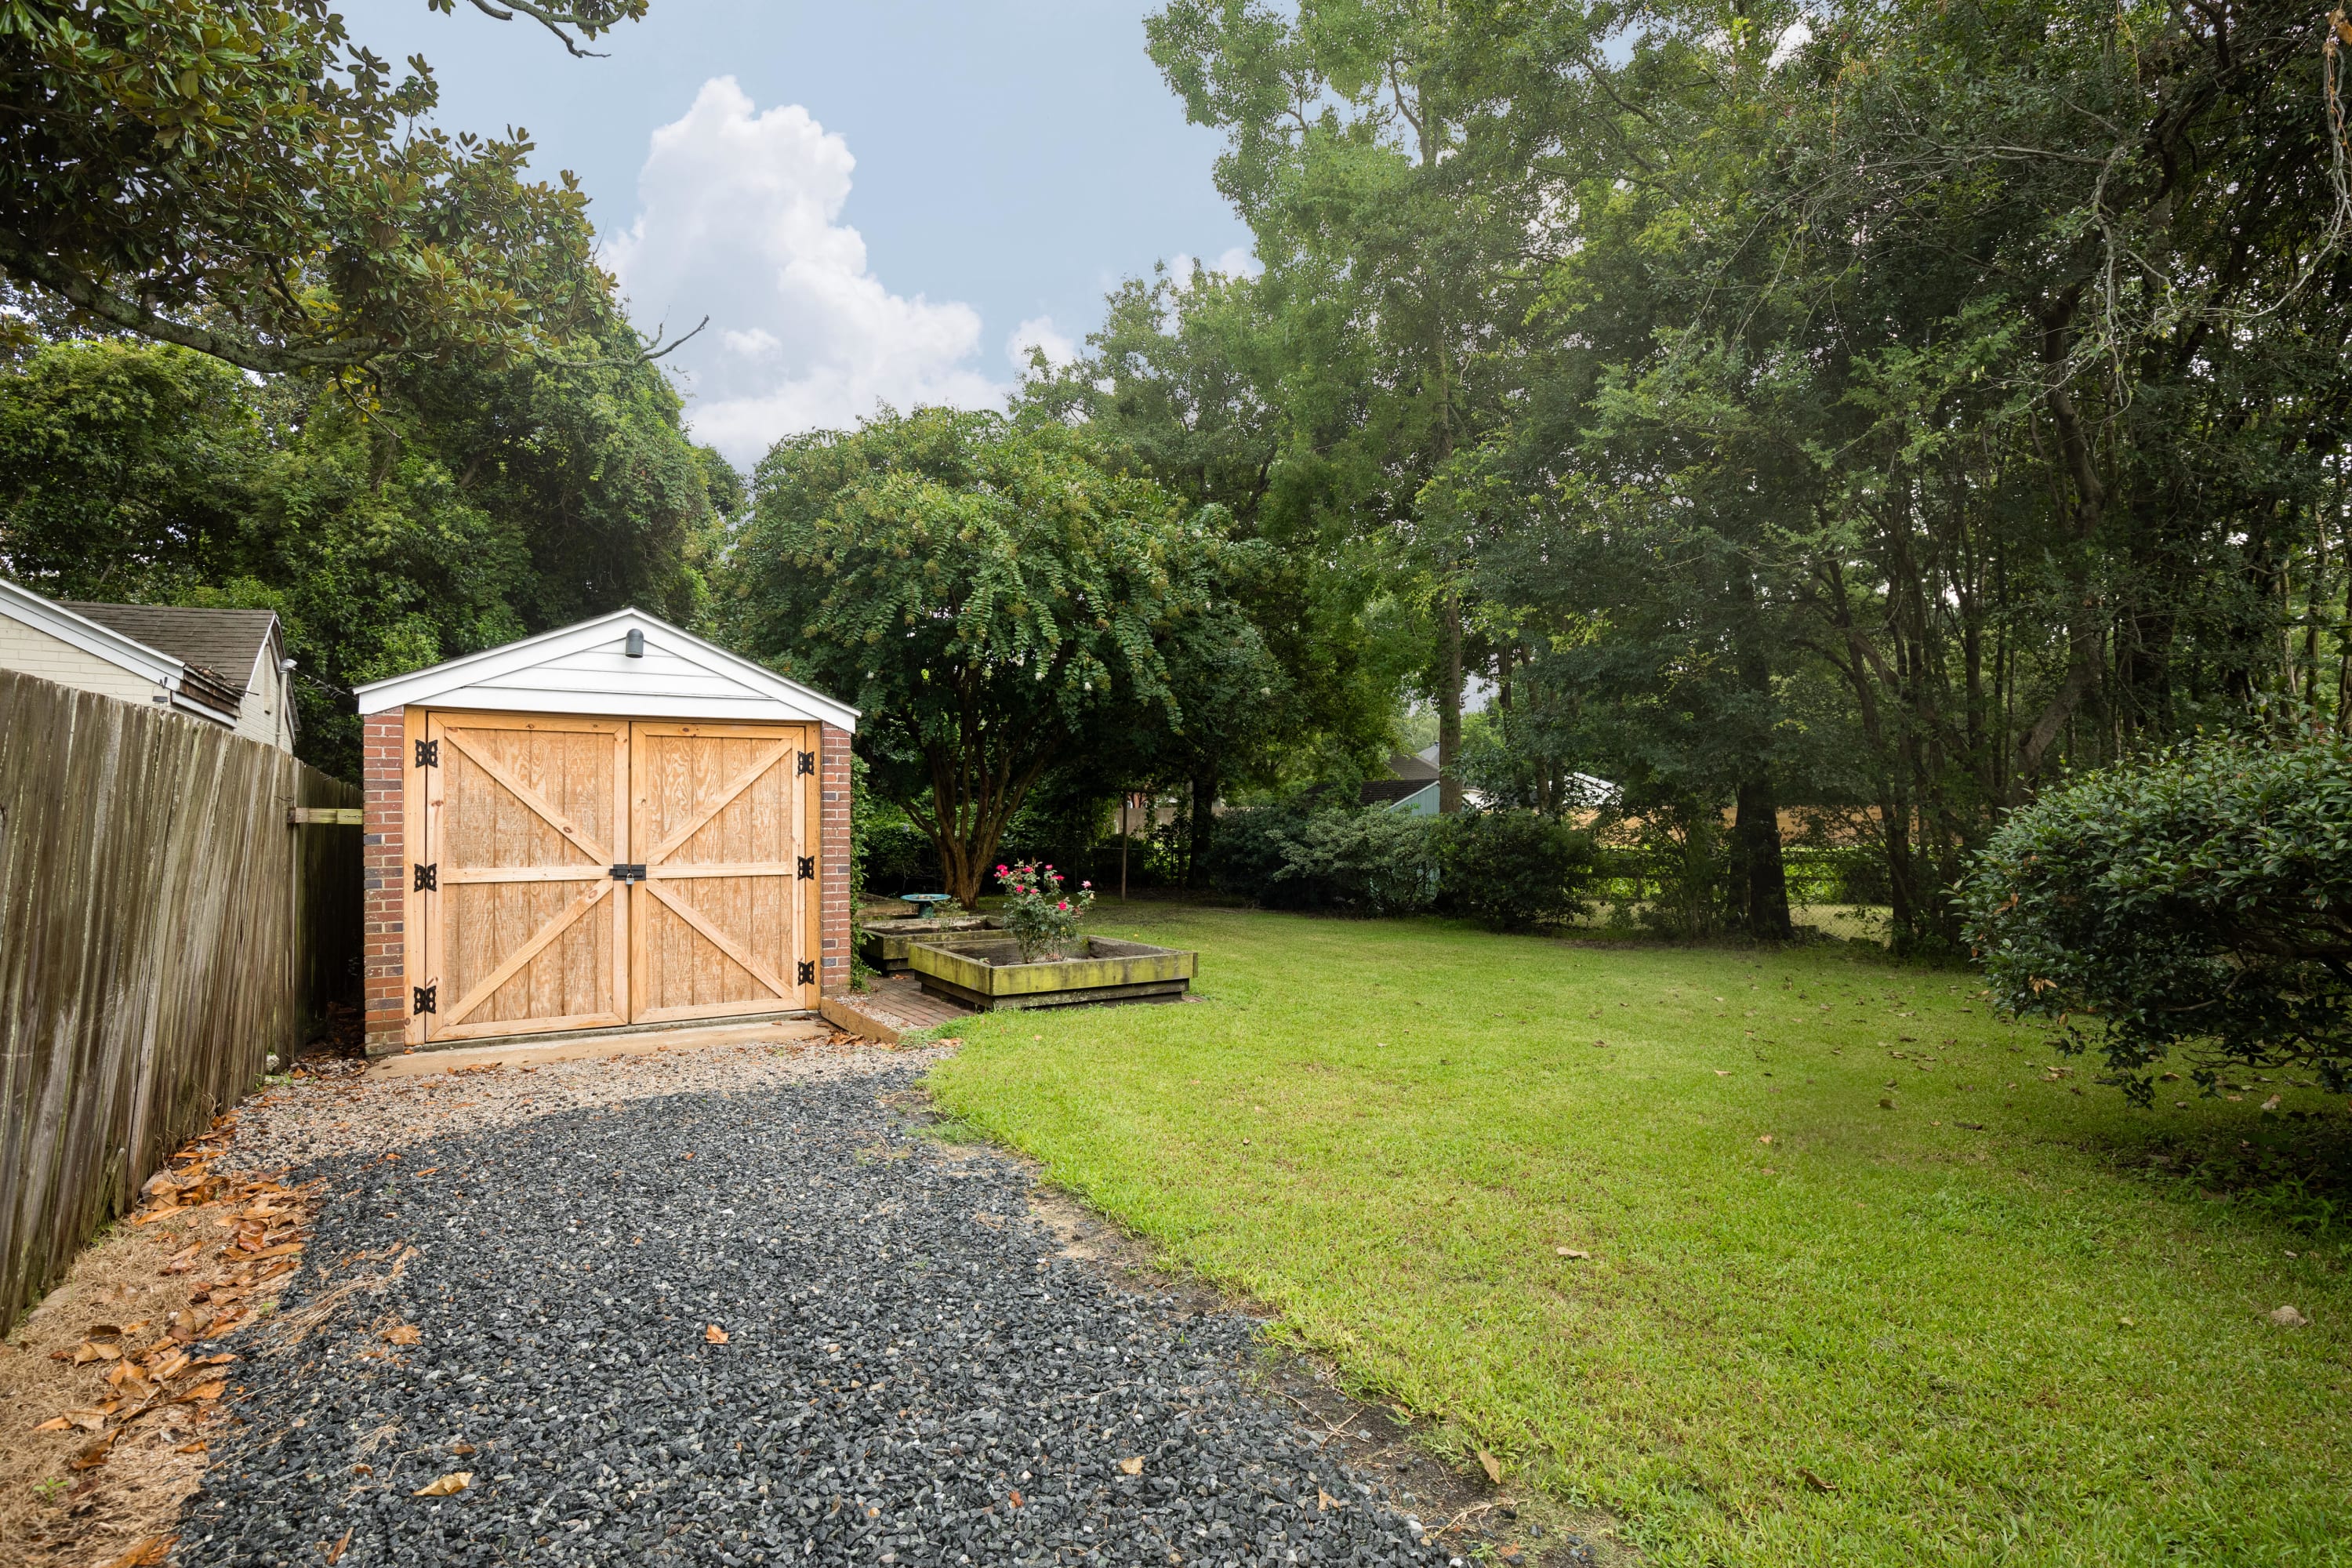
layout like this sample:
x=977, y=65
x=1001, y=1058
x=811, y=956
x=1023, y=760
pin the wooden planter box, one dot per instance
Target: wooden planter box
x=884, y=945
x=987, y=972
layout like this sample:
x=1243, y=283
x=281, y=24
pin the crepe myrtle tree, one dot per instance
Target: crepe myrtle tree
x=997, y=600
x=2199, y=901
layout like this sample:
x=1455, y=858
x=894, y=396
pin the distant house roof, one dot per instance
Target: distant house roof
x=223, y=644
x=1408, y=775
x=120, y=634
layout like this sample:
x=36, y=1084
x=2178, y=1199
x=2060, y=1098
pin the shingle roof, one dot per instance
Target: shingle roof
x=224, y=642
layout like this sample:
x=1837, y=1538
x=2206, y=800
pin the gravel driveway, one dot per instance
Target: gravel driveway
x=767, y=1326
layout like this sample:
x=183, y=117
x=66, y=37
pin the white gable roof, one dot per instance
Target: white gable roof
x=586, y=669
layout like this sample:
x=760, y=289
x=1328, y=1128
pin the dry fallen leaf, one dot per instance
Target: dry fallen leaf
x=335, y=1552
x=147, y=1553
x=1492, y=1465
x=1723, y=1072
x=95, y=1455
x=1766, y=1138
x=1571, y=1252
x=449, y=1485
x=1014, y=1496
x=54, y=1423
x=197, y=1446
x=404, y=1333
x=1324, y=1500
x=2272, y=1103
x=715, y=1334
x=204, y=1392
x=1132, y=1467
x=1814, y=1481
x=463, y=1450
x=2288, y=1317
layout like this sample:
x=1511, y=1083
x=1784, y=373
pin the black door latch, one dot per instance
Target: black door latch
x=629, y=873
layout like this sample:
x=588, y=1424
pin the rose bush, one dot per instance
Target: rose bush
x=1040, y=915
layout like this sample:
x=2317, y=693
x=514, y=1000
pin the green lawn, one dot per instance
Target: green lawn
x=2017, y=1343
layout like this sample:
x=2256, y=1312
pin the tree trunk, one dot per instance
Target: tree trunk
x=1756, y=847
x=1763, y=892
x=1204, y=825
x=1449, y=707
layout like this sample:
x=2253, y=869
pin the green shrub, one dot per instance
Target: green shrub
x=1514, y=869
x=1374, y=862
x=895, y=858
x=2200, y=902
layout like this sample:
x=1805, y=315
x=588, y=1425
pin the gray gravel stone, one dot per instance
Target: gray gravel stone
x=904, y=1358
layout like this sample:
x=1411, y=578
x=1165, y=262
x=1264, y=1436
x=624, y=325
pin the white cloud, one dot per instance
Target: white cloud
x=1238, y=262
x=737, y=220
x=1799, y=34
x=1038, y=333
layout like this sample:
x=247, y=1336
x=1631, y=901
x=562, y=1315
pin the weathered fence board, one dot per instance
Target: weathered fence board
x=163, y=930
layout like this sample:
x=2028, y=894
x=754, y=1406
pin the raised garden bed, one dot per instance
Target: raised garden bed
x=987, y=972
x=884, y=945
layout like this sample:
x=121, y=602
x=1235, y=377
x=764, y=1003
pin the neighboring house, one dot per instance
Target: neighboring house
x=1412, y=787
x=1410, y=777
x=227, y=666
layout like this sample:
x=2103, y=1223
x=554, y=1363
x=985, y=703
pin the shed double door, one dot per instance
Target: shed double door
x=586, y=872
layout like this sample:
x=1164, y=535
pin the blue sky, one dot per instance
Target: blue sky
x=870, y=200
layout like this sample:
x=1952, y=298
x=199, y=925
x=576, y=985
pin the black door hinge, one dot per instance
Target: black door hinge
x=627, y=873
x=428, y=754
x=808, y=761
x=428, y=997
x=808, y=868
x=808, y=972
x=428, y=879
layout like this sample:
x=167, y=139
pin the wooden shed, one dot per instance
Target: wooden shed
x=614, y=825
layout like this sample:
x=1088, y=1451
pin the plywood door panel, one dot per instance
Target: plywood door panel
x=719, y=813
x=525, y=818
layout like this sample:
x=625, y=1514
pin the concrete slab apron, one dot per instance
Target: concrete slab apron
x=760, y=1327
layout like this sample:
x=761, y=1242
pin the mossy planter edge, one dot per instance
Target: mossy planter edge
x=883, y=944
x=974, y=972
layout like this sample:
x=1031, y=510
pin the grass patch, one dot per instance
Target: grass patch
x=2040, y=1338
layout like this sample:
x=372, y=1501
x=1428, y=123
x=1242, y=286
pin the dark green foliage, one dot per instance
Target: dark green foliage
x=478, y=507
x=2200, y=902
x=1372, y=862
x=1513, y=870
x=240, y=178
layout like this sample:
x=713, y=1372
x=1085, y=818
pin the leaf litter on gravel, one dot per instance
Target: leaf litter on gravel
x=892, y=1373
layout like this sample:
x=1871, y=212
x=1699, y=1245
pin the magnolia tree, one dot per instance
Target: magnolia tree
x=998, y=601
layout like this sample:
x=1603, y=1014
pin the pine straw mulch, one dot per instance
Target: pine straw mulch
x=109, y=1388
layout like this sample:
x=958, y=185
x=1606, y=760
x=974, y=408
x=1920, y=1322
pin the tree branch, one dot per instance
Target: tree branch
x=643, y=356
x=44, y=271
x=553, y=21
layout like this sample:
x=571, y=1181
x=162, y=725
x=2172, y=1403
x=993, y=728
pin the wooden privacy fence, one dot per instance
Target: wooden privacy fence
x=163, y=929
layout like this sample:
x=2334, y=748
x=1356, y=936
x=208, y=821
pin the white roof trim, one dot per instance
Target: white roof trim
x=105, y=644
x=499, y=679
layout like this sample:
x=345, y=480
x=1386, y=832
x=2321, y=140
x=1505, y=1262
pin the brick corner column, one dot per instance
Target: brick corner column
x=833, y=863
x=383, y=777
